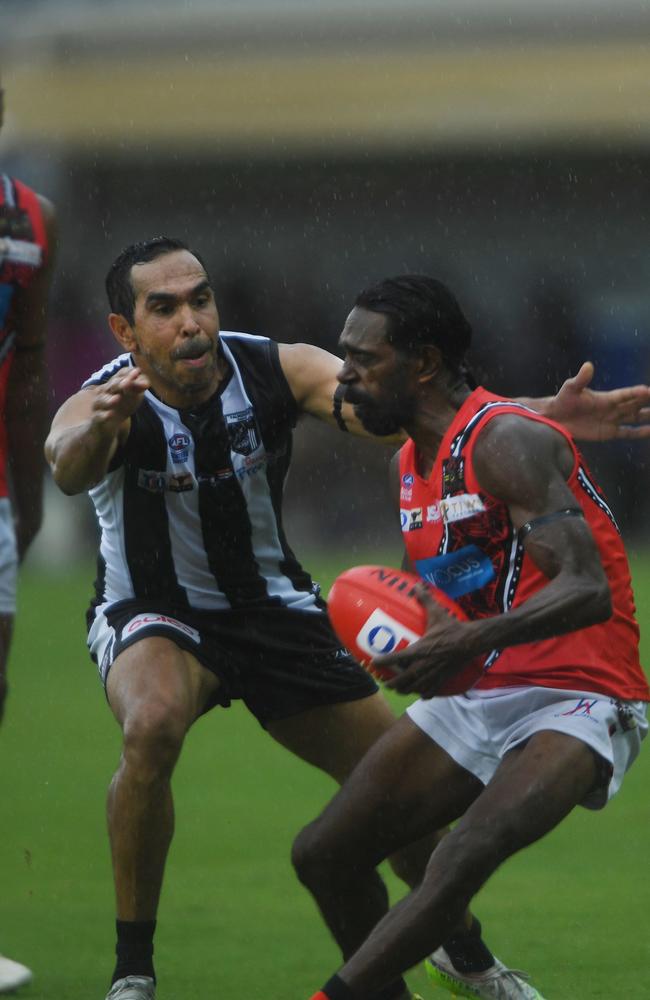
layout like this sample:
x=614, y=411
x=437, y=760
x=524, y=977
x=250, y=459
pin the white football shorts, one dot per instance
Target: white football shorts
x=478, y=728
x=8, y=559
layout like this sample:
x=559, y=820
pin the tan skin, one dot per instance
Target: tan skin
x=175, y=317
x=173, y=339
x=25, y=413
x=407, y=785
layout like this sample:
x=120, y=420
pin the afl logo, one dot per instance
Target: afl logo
x=407, y=479
x=179, y=446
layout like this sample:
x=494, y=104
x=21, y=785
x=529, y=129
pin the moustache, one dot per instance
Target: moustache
x=193, y=350
x=354, y=398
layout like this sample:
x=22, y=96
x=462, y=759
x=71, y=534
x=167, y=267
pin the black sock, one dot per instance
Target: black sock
x=336, y=989
x=467, y=950
x=134, y=948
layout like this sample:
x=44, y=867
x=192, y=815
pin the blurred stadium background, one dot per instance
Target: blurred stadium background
x=305, y=149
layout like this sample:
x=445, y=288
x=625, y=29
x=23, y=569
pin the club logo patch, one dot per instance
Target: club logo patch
x=242, y=431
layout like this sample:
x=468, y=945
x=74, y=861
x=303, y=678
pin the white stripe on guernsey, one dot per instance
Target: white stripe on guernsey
x=185, y=534
x=108, y=370
x=108, y=499
x=8, y=191
x=229, y=334
x=265, y=539
x=461, y=440
x=592, y=492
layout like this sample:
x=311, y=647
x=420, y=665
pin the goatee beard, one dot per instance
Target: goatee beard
x=375, y=422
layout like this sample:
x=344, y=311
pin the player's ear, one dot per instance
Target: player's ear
x=121, y=330
x=429, y=363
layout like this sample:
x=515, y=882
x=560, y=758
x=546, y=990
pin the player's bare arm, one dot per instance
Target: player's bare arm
x=526, y=465
x=311, y=373
x=591, y=415
x=89, y=427
x=26, y=406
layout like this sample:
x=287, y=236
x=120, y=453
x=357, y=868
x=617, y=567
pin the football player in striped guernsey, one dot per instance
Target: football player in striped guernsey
x=184, y=441
x=27, y=239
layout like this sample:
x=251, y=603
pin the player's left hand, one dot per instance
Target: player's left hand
x=593, y=415
x=428, y=663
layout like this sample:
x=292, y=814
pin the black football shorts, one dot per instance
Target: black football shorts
x=279, y=661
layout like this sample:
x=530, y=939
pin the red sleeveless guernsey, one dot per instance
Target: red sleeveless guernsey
x=462, y=540
x=23, y=251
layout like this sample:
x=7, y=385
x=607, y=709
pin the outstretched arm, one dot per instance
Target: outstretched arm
x=592, y=415
x=89, y=427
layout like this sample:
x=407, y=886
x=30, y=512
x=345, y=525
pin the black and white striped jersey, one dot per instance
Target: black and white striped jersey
x=190, y=508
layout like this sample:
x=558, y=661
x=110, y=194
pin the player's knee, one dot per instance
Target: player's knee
x=324, y=855
x=153, y=737
x=314, y=856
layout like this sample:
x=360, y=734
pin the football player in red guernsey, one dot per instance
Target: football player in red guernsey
x=27, y=237
x=499, y=510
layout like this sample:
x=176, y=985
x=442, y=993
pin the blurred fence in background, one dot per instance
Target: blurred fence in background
x=306, y=149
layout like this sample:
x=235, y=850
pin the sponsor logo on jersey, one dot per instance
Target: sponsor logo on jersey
x=220, y=476
x=157, y=482
x=242, y=431
x=405, y=494
x=460, y=507
x=410, y=518
x=250, y=467
x=153, y=620
x=20, y=252
x=180, y=483
x=433, y=513
x=179, y=447
x=415, y=518
x=153, y=482
x=459, y=572
x=381, y=634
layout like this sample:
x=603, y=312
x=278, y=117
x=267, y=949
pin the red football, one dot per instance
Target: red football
x=374, y=611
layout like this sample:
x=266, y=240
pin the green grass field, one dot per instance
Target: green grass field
x=572, y=910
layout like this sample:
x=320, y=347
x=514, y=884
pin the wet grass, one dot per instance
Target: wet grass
x=572, y=910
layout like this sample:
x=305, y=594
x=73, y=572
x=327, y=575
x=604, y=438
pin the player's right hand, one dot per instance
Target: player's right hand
x=116, y=400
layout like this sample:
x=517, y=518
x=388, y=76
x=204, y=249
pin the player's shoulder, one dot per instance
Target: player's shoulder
x=108, y=370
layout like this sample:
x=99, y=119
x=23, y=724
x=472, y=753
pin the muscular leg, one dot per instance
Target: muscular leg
x=336, y=856
x=532, y=791
x=156, y=690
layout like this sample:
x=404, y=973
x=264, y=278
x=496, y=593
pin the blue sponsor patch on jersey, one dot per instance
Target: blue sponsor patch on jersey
x=6, y=295
x=457, y=573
